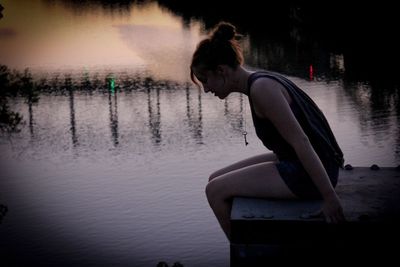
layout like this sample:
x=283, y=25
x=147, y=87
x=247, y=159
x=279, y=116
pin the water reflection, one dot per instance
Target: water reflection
x=31, y=120
x=150, y=119
x=115, y=8
x=195, y=119
x=234, y=112
x=85, y=36
x=54, y=87
x=69, y=88
x=295, y=35
x=376, y=108
x=162, y=35
x=113, y=107
x=132, y=115
x=332, y=43
x=154, y=109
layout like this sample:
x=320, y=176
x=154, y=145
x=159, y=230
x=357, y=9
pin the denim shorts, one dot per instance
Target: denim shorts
x=298, y=180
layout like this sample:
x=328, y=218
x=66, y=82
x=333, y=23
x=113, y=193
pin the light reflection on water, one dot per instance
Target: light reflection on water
x=122, y=174
x=71, y=36
x=116, y=177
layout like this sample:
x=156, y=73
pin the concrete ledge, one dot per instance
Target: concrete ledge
x=262, y=229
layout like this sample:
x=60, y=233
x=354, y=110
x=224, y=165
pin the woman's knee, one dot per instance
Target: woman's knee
x=213, y=176
x=215, y=190
x=210, y=190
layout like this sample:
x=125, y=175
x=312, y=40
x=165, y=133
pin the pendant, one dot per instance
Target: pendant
x=245, y=138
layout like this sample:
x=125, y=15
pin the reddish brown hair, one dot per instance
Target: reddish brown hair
x=220, y=48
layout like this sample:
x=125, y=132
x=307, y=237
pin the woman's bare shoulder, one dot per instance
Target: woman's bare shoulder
x=264, y=90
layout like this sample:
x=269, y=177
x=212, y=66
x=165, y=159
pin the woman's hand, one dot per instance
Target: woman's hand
x=332, y=209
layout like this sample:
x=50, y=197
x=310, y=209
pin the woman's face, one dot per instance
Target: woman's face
x=212, y=81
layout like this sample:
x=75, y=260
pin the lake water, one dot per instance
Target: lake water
x=111, y=162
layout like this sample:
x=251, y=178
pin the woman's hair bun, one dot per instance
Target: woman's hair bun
x=224, y=31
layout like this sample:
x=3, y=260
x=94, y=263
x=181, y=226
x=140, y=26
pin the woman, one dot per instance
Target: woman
x=305, y=159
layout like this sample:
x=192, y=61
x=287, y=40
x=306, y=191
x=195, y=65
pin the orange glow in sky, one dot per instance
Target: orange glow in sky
x=51, y=36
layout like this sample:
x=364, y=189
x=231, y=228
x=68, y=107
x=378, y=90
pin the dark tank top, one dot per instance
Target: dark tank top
x=309, y=116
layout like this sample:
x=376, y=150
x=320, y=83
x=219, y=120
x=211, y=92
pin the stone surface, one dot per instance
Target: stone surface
x=262, y=229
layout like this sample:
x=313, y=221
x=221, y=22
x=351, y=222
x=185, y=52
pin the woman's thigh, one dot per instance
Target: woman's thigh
x=266, y=157
x=258, y=180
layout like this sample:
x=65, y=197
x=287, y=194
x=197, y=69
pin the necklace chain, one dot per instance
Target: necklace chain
x=244, y=132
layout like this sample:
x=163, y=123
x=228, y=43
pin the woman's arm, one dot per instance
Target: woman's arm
x=271, y=103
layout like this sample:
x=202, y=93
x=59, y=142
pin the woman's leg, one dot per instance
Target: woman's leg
x=244, y=163
x=257, y=180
